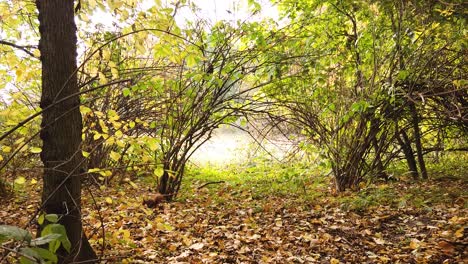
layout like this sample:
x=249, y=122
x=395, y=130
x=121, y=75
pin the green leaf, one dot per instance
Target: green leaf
x=403, y=74
x=57, y=229
x=24, y=260
x=126, y=92
x=192, y=60
x=53, y=218
x=13, y=232
x=152, y=144
x=46, y=254
x=45, y=239
x=54, y=245
x=40, y=219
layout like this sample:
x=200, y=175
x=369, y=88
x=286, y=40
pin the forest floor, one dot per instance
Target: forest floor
x=251, y=218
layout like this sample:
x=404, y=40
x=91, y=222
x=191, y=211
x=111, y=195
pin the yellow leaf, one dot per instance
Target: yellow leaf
x=113, y=116
x=92, y=3
x=110, y=141
x=114, y=155
x=117, y=125
x=115, y=73
x=106, y=173
x=19, y=141
x=35, y=150
x=125, y=234
x=133, y=185
x=1, y=158
x=33, y=181
x=147, y=211
x=102, y=79
x=84, y=17
x=106, y=54
x=103, y=126
x=124, y=14
x=334, y=261
x=118, y=133
x=455, y=220
x=85, y=153
x=120, y=143
x=414, y=244
x=187, y=241
x=164, y=226
x=19, y=73
x=384, y=259
x=108, y=200
x=6, y=149
x=152, y=144
x=20, y=180
x=460, y=232
x=140, y=48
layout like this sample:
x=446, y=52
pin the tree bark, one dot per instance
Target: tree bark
x=62, y=125
x=405, y=144
x=417, y=140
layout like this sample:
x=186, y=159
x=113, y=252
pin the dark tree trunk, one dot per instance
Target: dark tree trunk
x=163, y=182
x=62, y=125
x=405, y=144
x=417, y=140
x=378, y=159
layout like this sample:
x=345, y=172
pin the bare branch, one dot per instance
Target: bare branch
x=23, y=48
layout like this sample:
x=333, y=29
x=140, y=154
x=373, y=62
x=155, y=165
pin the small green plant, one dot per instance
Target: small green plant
x=371, y=196
x=30, y=251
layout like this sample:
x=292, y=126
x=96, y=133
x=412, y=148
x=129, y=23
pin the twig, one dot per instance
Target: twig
x=18, y=253
x=23, y=48
x=208, y=183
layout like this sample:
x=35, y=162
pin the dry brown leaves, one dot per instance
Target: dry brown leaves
x=230, y=226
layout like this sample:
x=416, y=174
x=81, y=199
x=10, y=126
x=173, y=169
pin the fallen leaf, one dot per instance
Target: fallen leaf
x=108, y=200
x=197, y=246
x=379, y=241
x=446, y=247
x=415, y=244
x=460, y=232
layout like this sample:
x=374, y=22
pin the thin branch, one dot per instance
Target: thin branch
x=23, y=48
x=31, y=117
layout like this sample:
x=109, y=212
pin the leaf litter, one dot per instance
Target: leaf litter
x=232, y=224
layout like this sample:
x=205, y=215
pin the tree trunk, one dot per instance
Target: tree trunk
x=62, y=125
x=378, y=159
x=409, y=154
x=417, y=140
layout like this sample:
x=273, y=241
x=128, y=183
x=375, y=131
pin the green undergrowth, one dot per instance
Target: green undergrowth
x=310, y=185
x=263, y=178
x=451, y=166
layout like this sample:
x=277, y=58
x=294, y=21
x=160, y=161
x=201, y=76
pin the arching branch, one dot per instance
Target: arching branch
x=23, y=48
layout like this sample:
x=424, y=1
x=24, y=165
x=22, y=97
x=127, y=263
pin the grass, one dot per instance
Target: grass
x=264, y=178
x=309, y=185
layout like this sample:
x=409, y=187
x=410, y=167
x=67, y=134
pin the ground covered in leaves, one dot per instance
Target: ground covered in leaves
x=274, y=220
